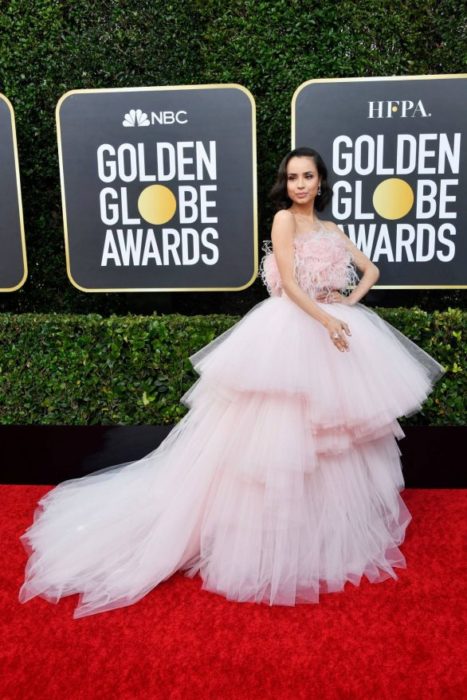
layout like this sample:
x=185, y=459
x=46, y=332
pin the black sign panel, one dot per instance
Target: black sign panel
x=159, y=188
x=13, y=267
x=397, y=157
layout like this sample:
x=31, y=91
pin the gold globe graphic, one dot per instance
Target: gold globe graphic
x=393, y=198
x=157, y=204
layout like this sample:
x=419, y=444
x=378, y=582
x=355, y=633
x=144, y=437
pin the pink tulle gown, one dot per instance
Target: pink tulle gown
x=280, y=483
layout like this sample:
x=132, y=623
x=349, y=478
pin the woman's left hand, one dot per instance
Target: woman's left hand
x=332, y=297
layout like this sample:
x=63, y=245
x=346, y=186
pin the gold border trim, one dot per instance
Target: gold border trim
x=20, y=199
x=375, y=78
x=208, y=86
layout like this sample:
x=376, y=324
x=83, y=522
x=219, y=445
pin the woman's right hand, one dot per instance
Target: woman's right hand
x=337, y=330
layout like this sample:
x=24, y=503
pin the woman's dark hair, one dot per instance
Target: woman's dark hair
x=278, y=192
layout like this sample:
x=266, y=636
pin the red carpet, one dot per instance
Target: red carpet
x=397, y=639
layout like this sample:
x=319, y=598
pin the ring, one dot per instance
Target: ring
x=335, y=335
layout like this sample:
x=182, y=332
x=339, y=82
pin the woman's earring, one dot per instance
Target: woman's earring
x=319, y=190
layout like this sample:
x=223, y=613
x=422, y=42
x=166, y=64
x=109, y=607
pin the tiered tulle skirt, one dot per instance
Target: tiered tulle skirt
x=281, y=482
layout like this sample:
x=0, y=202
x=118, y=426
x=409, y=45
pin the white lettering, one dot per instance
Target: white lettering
x=106, y=169
x=205, y=236
x=450, y=245
x=110, y=251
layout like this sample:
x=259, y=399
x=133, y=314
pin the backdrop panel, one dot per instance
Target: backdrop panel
x=159, y=188
x=13, y=266
x=396, y=150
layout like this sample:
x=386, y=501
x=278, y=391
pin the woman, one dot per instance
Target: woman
x=282, y=481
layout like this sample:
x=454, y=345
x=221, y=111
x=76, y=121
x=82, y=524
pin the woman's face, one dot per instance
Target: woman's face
x=302, y=179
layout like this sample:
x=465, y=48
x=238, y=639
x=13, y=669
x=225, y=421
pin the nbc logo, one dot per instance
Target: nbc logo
x=135, y=117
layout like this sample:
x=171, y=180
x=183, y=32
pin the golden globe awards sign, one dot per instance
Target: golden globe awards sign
x=13, y=267
x=396, y=152
x=159, y=188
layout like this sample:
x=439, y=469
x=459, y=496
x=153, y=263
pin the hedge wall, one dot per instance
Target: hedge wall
x=50, y=46
x=78, y=370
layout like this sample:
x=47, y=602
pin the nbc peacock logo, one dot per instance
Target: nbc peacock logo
x=136, y=117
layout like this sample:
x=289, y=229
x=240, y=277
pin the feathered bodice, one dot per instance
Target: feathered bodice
x=322, y=262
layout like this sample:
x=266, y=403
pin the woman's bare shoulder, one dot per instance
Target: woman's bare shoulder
x=329, y=224
x=332, y=226
x=283, y=224
x=284, y=216
x=283, y=229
